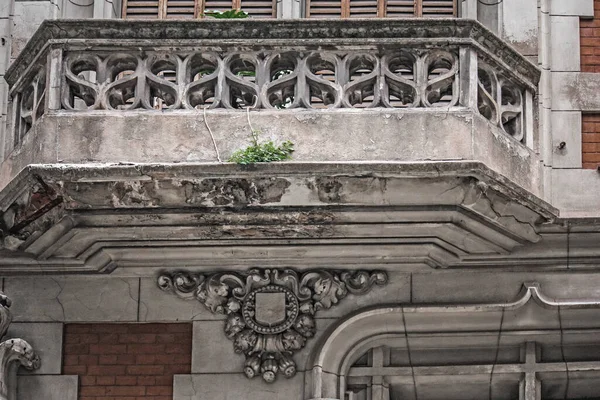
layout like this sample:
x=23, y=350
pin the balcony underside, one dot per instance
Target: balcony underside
x=377, y=135
x=75, y=218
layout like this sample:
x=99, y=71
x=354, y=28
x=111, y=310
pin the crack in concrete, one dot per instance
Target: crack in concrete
x=57, y=298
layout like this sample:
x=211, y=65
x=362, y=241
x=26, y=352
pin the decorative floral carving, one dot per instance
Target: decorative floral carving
x=270, y=312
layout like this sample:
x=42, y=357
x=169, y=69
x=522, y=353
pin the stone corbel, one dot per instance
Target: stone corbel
x=270, y=312
x=13, y=353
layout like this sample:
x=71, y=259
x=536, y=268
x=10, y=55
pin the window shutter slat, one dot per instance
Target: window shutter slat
x=181, y=9
x=259, y=8
x=324, y=9
x=381, y=8
x=400, y=8
x=439, y=8
x=141, y=9
x=363, y=8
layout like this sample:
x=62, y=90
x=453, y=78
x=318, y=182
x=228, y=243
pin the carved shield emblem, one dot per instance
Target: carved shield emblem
x=270, y=308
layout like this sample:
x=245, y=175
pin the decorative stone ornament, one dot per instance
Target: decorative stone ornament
x=12, y=351
x=270, y=312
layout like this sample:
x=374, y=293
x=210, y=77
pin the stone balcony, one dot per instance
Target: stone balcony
x=428, y=125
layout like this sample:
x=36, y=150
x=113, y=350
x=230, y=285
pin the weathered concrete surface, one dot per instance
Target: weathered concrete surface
x=565, y=43
x=235, y=386
x=47, y=387
x=576, y=192
x=29, y=15
x=73, y=300
x=439, y=212
x=337, y=135
x=581, y=8
x=520, y=25
x=567, y=128
x=575, y=91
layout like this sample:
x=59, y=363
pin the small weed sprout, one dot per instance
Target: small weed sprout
x=262, y=152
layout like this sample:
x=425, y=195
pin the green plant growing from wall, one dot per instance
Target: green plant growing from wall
x=229, y=14
x=262, y=152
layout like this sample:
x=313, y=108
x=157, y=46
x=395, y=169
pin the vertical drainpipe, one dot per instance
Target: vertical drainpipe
x=545, y=43
x=469, y=9
x=7, y=12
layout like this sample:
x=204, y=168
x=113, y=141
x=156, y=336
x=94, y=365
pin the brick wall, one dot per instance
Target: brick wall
x=127, y=361
x=590, y=41
x=591, y=140
x=590, y=62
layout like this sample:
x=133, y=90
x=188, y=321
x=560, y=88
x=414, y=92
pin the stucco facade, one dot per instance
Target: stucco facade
x=435, y=235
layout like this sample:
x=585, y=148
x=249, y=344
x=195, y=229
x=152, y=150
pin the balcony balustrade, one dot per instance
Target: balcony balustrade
x=422, y=132
x=76, y=66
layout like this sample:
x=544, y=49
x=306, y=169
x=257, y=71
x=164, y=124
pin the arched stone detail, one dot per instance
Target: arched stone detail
x=369, y=328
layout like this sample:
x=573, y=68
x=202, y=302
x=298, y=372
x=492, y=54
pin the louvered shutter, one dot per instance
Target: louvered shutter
x=188, y=9
x=364, y=8
x=259, y=8
x=400, y=8
x=323, y=8
x=181, y=9
x=255, y=8
x=380, y=8
x=438, y=8
x=141, y=9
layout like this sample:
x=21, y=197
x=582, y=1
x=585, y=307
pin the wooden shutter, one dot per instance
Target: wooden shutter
x=181, y=9
x=141, y=9
x=437, y=8
x=400, y=9
x=187, y=9
x=259, y=8
x=365, y=8
x=323, y=8
x=380, y=8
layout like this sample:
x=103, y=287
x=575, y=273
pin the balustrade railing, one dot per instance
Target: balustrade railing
x=109, y=66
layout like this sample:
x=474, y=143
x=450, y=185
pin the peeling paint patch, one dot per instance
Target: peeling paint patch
x=329, y=190
x=235, y=191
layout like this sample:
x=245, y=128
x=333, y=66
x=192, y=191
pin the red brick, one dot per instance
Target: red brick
x=87, y=381
x=165, y=338
x=74, y=370
x=106, y=370
x=126, y=359
x=77, y=348
x=71, y=360
x=160, y=390
x=88, y=360
x=109, y=338
x=147, y=380
x=92, y=391
x=108, y=348
x=129, y=361
x=125, y=390
x=130, y=381
x=107, y=359
x=138, y=370
x=146, y=348
x=105, y=380
x=138, y=338
x=179, y=348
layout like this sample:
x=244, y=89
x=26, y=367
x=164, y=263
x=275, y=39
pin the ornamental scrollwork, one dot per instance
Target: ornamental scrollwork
x=270, y=312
